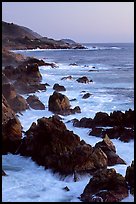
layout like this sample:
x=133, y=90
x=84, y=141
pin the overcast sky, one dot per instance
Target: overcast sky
x=80, y=21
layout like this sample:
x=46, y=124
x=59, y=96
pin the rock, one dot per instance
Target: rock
x=84, y=79
x=58, y=87
x=11, y=129
x=66, y=188
x=96, y=131
x=50, y=144
x=5, y=79
x=35, y=103
x=105, y=186
x=120, y=132
x=130, y=177
x=18, y=103
x=73, y=64
x=9, y=91
x=32, y=60
x=83, y=122
x=101, y=119
x=109, y=149
x=3, y=173
x=60, y=104
x=68, y=77
x=87, y=95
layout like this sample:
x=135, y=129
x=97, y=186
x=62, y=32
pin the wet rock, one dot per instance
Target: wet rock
x=17, y=102
x=66, y=188
x=50, y=144
x=120, y=132
x=83, y=122
x=3, y=173
x=68, y=77
x=84, y=79
x=58, y=87
x=108, y=148
x=11, y=129
x=105, y=186
x=101, y=119
x=130, y=177
x=35, y=103
x=96, y=131
x=60, y=104
x=87, y=95
x=73, y=64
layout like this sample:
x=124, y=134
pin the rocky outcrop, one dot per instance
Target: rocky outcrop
x=67, y=78
x=84, y=79
x=11, y=129
x=50, y=144
x=58, y=87
x=130, y=177
x=105, y=186
x=59, y=104
x=16, y=101
x=108, y=148
x=122, y=125
x=35, y=103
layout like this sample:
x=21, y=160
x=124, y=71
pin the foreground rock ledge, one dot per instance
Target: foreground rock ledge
x=50, y=144
x=105, y=186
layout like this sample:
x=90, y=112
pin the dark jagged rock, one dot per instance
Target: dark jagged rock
x=58, y=87
x=109, y=149
x=3, y=173
x=105, y=186
x=130, y=177
x=84, y=79
x=50, y=144
x=119, y=132
x=11, y=129
x=96, y=131
x=59, y=104
x=16, y=102
x=35, y=103
x=87, y=95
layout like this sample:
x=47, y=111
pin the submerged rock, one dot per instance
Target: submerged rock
x=58, y=87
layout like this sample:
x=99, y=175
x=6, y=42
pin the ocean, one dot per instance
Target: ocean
x=111, y=68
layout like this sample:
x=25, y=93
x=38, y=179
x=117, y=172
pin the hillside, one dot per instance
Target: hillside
x=20, y=37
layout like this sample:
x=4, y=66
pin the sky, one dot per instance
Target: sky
x=100, y=22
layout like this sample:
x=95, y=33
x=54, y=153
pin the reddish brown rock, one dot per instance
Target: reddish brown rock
x=105, y=186
x=50, y=144
x=60, y=104
x=11, y=129
x=35, y=103
x=108, y=148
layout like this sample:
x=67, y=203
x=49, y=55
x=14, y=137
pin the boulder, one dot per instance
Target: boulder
x=105, y=186
x=50, y=144
x=84, y=79
x=3, y=173
x=58, y=87
x=35, y=103
x=60, y=104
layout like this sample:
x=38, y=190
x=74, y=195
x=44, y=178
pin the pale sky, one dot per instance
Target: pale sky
x=80, y=21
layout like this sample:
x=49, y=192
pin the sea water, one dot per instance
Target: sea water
x=111, y=67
